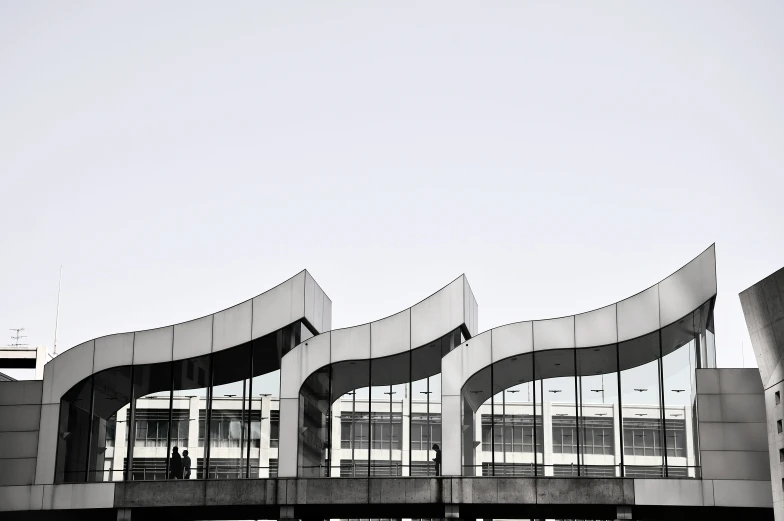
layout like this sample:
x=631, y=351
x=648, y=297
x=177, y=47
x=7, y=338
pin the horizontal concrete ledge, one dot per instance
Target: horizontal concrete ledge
x=377, y=491
x=363, y=493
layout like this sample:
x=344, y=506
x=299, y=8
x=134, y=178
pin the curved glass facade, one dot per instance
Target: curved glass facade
x=607, y=393
x=620, y=410
x=124, y=423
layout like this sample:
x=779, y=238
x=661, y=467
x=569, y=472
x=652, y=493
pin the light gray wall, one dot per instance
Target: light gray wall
x=732, y=427
x=763, y=309
x=20, y=415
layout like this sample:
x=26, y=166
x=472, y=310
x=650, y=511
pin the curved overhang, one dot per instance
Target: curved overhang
x=391, y=340
x=449, y=308
x=655, y=308
x=629, y=323
x=298, y=298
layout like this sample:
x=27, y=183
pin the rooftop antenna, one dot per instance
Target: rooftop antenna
x=742, y=356
x=57, y=313
x=17, y=336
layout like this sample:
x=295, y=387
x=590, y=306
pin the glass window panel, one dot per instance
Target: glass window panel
x=73, y=433
x=111, y=401
x=229, y=427
x=192, y=379
x=149, y=421
x=679, y=343
x=555, y=370
x=597, y=370
x=641, y=414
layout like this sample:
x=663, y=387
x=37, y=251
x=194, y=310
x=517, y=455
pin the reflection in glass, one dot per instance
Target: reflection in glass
x=598, y=433
x=555, y=371
x=73, y=433
x=641, y=415
x=192, y=386
x=148, y=421
x=108, y=440
x=229, y=413
x=679, y=343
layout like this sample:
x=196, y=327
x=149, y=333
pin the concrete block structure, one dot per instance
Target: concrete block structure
x=763, y=308
x=262, y=410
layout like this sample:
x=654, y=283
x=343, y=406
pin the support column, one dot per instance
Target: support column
x=123, y=514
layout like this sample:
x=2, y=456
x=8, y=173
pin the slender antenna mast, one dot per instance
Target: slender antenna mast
x=17, y=336
x=57, y=314
x=742, y=356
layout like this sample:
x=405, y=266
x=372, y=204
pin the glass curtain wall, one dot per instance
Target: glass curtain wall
x=229, y=413
x=148, y=422
x=643, y=431
x=598, y=430
x=555, y=371
x=73, y=433
x=378, y=417
x=679, y=350
x=111, y=396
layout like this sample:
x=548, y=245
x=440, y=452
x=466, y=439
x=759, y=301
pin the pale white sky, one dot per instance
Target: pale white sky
x=180, y=157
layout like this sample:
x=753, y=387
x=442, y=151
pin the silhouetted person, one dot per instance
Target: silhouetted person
x=186, y=464
x=437, y=459
x=175, y=467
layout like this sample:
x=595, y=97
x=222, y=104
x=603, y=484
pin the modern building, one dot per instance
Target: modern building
x=616, y=413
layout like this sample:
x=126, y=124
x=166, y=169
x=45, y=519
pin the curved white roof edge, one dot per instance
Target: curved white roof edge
x=447, y=309
x=297, y=298
x=660, y=305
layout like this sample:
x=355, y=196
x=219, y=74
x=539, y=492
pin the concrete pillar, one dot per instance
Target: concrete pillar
x=40, y=361
x=405, y=459
x=265, y=429
x=334, y=450
x=618, y=451
x=624, y=512
x=120, y=448
x=547, y=434
x=193, y=435
x=123, y=514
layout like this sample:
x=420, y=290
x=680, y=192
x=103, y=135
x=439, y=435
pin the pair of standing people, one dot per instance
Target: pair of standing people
x=180, y=467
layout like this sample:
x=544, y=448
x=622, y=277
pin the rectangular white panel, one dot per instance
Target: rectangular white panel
x=451, y=371
x=451, y=448
x=232, y=327
x=17, y=471
x=288, y=437
x=742, y=493
x=638, y=315
x=688, y=288
x=21, y=393
x=437, y=315
x=327, y=313
x=19, y=444
x=596, y=328
x=19, y=417
x=734, y=436
x=464, y=361
x=15, y=498
x=193, y=338
x=671, y=492
x=310, y=297
x=726, y=464
x=556, y=333
x=113, y=351
x=279, y=306
x=301, y=361
x=512, y=340
x=66, y=370
x=351, y=343
x=391, y=335
x=47, y=444
x=153, y=346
